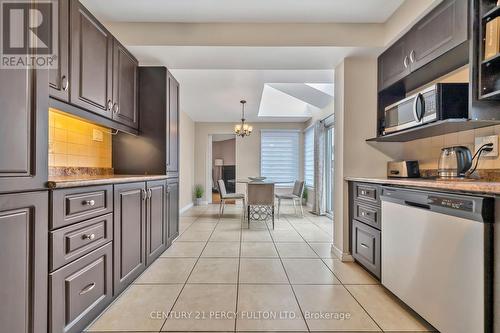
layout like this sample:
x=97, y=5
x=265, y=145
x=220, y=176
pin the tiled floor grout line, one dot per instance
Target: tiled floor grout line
x=192, y=269
x=238, y=277
x=288, y=278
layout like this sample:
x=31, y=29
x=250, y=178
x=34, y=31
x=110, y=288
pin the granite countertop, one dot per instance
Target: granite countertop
x=480, y=186
x=86, y=180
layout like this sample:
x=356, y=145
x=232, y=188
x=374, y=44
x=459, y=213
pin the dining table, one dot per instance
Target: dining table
x=260, y=199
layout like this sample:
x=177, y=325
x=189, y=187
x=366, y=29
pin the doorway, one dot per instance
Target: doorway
x=223, y=164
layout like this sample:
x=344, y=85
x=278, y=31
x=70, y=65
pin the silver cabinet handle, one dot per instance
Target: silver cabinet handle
x=150, y=193
x=144, y=195
x=89, y=202
x=89, y=237
x=64, y=83
x=412, y=56
x=110, y=105
x=405, y=62
x=363, y=193
x=87, y=288
x=116, y=108
x=363, y=214
x=364, y=245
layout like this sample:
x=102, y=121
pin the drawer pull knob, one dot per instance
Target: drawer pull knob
x=89, y=202
x=87, y=288
x=363, y=192
x=363, y=214
x=89, y=237
x=364, y=245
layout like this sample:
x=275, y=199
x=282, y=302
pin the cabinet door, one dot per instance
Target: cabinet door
x=156, y=226
x=172, y=126
x=125, y=69
x=366, y=246
x=59, y=77
x=24, y=262
x=441, y=30
x=129, y=239
x=173, y=209
x=23, y=129
x=393, y=64
x=91, y=62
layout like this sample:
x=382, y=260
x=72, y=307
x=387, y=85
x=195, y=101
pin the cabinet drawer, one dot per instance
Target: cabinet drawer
x=367, y=192
x=367, y=213
x=70, y=243
x=77, y=204
x=366, y=246
x=81, y=290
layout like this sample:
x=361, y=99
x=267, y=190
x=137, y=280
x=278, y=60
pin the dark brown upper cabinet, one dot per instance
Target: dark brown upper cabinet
x=24, y=261
x=173, y=209
x=23, y=129
x=129, y=241
x=443, y=29
x=125, y=71
x=91, y=62
x=156, y=219
x=394, y=64
x=172, y=126
x=59, y=77
x=439, y=32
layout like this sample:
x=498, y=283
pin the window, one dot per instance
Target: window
x=309, y=157
x=279, y=155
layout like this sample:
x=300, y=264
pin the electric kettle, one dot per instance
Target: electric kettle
x=454, y=162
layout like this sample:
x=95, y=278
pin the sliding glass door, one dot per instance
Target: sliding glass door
x=329, y=158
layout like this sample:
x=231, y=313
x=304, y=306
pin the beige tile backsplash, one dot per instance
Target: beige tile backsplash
x=427, y=150
x=71, y=143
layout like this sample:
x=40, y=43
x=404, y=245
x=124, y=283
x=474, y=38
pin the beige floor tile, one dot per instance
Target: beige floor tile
x=386, y=310
x=264, y=271
x=206, y=219
x=309, y=271
x=255, y=236
x=221, y=250
x=283, y=236
x=350, y=272
x=323, y=250
x=225, y=236
x=132, y=310
x=334, y=301
x=318, y=236
x=295, y=250
x=265, y=301
x=215, y=270
x=204, y=305
x=194, y=236
x=184, y=249
x=258, y=250
x=167, y=270
x=203, y=226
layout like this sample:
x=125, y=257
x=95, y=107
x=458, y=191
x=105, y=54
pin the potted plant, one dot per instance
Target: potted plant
x=198, y=193
x=305, y=195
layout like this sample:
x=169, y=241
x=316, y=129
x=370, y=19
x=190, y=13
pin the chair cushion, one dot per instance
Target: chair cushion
x=286, y=196
x=233, y=196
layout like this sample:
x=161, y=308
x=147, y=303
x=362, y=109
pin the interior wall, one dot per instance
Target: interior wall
x=247, y=150
x=186, y=160
x=355, y=121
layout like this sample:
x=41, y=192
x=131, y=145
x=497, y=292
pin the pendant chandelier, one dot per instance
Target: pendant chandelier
x=243, y=129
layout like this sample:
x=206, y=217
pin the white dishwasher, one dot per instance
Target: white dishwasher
x=437, y=256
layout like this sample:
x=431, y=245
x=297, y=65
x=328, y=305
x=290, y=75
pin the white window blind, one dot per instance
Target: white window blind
x=279, y=155
x=309, y=157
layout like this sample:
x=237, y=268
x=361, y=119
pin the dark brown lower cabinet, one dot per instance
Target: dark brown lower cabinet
x=81, y=290
x=129, y=239
x=24, y=262
x=366, y=246
x=173, y=209
x=156, y=220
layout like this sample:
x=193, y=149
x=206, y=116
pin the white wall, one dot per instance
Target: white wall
x=186, y=160
x=247, y=150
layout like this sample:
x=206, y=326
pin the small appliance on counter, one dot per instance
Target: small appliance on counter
x=403, y=169
x=438, y=102
x=456, y=161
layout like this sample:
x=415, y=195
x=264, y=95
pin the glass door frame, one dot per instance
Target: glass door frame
x=329, y=171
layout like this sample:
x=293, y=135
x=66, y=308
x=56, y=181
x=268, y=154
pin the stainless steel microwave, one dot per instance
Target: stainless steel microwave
x=440, y=101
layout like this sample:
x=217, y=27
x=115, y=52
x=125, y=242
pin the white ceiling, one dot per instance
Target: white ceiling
x=214, y=95
x=278, y=11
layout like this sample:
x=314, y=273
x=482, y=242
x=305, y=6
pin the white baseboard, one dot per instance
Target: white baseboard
x=343, y=256
x=185, y=208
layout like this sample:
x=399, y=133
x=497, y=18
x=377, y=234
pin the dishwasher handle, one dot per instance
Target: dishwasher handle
x=417, y=205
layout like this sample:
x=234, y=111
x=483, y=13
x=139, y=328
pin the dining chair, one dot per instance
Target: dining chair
x=295, y=196
x=260, y=201
x=228, y=196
